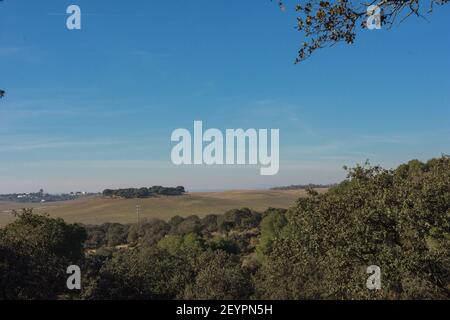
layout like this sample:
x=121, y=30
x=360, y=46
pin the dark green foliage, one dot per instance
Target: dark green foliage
x=35, y=251
x=108, y=234
x=143, y=193
x=219, y=276
x=239, y=219
x=117, y=234
x=209, y=223
x=271, y=225
x=224, y=244
x=96, y=236
x=52, y=235
x=131, y=193
x=167, y=191
x=108, y=193
x=187, y=244
x=148, y=232
x=191, y=224
x=29, y=273
x=175, y=221
x=140, y=274
x=398, y=220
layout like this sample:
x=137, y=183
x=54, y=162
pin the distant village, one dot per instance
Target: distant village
x=41, y=196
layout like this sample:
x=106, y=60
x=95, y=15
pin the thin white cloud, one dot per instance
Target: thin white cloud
x=37, y=144
x=7, y=51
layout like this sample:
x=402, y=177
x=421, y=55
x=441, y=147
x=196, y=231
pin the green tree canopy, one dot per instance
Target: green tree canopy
x=35, y=251
x=398, y=220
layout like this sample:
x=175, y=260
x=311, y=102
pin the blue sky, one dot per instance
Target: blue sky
x=95, y=108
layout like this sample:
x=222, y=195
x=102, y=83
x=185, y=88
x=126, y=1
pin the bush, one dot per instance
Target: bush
x=239, y=219
x=224, y=244
x=140, y=274
x=271, y=225
x=219, y=276
x=191, y=224
x=209, y=223
x=178, y=245
x=148, y=232
x=116, y=234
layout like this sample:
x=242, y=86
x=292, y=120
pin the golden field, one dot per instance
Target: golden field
x=97, y=210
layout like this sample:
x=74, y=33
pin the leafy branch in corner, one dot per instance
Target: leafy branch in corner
x=325, y=23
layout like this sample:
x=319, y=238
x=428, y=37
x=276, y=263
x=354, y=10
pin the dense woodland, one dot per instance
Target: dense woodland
x=318, y=249
x=131, y=193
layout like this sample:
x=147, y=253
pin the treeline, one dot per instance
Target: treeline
x=130, y=193
x=320, y=248
x=150, y=231
x=304, y=186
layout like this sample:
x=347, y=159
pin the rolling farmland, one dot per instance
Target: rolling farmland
x=97, y=210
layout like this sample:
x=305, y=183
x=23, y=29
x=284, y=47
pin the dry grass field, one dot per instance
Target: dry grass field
x=97, y=210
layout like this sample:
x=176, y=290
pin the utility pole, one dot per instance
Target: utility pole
x=138, y=216
x=138, y=213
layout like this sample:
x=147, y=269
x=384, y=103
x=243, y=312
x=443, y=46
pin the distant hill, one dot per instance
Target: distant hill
x=304, y=186
x=37, y=197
